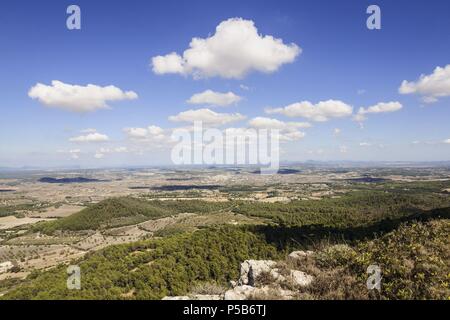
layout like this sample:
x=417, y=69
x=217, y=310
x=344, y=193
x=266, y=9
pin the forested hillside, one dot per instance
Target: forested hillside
x=405, y=233
x=125, y=211
x=154, y=268
x=414, y=259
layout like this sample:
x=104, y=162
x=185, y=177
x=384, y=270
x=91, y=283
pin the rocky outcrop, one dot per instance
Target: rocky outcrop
x=249, y=285
x=262, y=279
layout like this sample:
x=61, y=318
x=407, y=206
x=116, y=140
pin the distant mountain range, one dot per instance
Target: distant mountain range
x=316, y=163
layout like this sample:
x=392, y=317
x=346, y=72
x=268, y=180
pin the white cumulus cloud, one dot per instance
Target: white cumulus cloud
x=447, y=141
x=430, y=87
x=78, y=98
x=213, y=98
x=322, y=111
x=382, y=107
x=235, y=49
x=207, y=116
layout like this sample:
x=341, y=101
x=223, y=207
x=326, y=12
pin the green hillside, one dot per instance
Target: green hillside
x=414, y=259
x=124, y=211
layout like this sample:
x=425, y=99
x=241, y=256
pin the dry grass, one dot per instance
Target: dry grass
x=207, y=288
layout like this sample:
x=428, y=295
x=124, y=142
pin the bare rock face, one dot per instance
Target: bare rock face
x=251, y=269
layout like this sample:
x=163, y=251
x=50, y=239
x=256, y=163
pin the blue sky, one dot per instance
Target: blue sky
x=340, y=60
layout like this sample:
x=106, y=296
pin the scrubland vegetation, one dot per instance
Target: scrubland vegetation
x=402, y=230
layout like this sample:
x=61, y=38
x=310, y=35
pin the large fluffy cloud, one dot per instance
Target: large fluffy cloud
x=78, y=98
x=207, y=116
x=213, y=98
x=234, y=50
x=382, y=107
x=90, y=137
x=431, y=87
x=322, y=111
